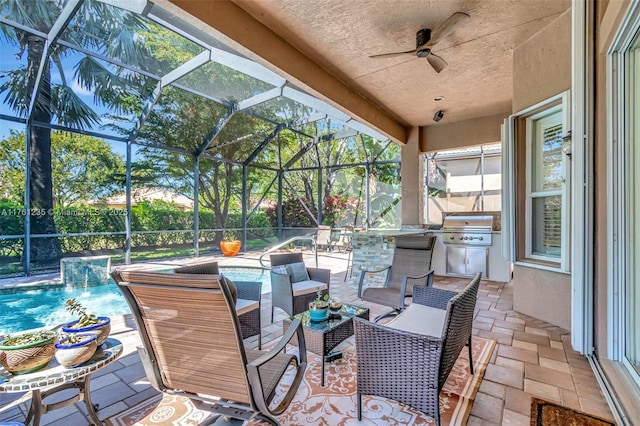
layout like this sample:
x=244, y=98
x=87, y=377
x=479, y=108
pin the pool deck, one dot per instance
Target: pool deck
x=532, y=358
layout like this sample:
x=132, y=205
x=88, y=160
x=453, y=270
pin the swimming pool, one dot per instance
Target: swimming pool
x=44, y=307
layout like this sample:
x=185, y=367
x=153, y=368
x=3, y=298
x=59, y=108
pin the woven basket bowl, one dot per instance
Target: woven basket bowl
x=22, y=359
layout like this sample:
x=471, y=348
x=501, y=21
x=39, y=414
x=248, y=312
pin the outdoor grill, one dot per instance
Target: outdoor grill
x=468, y=230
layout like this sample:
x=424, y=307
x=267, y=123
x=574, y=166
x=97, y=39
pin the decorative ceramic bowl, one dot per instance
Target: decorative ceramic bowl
x=75, y=348
x=28, y=357
x=230, y=248
x=318, y=314
x=102, y=329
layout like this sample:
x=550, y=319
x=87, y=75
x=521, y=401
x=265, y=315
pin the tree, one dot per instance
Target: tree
x=185, y=121
x=12, y=168
x=104, y=29
x=85, y=168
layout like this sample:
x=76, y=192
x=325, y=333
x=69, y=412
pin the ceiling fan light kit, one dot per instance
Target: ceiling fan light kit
x=426, y=39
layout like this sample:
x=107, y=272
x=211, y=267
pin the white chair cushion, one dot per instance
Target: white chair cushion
x=307, y=286
x=420, y=319
x=243, y=306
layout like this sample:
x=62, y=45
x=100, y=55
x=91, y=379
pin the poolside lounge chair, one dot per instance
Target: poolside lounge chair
x=409, y=358
x=323, y=238
x=343, y=243
x=192, y=346
x=411, y=265
x=246, y=294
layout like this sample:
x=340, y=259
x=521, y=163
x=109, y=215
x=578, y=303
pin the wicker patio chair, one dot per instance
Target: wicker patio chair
x=411, y=265
x=294, y=285
x=246, y=294
x=192, y=346
x=409, y=358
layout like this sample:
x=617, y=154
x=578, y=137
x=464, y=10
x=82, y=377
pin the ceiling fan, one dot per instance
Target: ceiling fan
x=426, y=39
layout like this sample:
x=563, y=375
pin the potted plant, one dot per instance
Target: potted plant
x=75, y=348
x=335, y=304
x=27, y=352
x=319, y=308
x=230, y=245
x=87, y=322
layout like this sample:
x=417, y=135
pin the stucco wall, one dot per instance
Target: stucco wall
x=542, y=64
x=543, y=294
x=542, y=69
x=411, y=174
x=472, y=132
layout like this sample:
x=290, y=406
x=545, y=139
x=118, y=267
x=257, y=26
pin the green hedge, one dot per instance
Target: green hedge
x=147, y=216
x=11, y=223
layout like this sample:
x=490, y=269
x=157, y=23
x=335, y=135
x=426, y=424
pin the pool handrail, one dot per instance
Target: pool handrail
x=310, y=237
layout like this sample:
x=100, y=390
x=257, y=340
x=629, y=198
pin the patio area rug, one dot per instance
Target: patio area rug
x=545, y=413
x=334, y=404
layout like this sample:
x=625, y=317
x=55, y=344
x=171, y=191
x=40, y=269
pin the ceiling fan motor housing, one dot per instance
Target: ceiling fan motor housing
x=423, y=53
x=422, y=37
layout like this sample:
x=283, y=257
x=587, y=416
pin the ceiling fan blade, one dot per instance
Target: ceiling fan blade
x=445, y=28
x=389, y=55
x=437, y=62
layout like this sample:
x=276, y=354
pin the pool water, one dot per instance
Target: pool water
x=45, y=307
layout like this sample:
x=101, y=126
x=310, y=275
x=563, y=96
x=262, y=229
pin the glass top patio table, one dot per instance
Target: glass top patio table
x=55, y=378
x=321, y=337
x=335, y=319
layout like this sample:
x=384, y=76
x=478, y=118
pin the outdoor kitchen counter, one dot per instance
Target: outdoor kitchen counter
x=498, y=269
x=373, y=250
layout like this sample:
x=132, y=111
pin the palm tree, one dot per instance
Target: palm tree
x=96, y=27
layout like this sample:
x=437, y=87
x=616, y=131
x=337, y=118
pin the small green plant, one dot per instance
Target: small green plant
x=321, y=300
x=73, y=338
x=86, y=319
x=29, y=338
x=229, y=236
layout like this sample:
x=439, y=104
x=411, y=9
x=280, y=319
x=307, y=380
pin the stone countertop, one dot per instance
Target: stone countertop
x=392, y=232
x=440, y=231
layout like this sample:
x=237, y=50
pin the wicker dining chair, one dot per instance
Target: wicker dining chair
x=247, y=296
x=411, y=265
x=409, y=358
x=192, y=346
x=294, y=285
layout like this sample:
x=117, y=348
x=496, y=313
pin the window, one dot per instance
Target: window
x=546, y=180
x=541, y=190
x=632, y=210
x=462, y=180
x=625, y=206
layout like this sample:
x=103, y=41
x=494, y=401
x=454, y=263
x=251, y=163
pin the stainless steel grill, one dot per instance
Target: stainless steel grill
x=469, y=230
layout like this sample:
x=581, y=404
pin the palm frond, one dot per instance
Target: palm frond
x=111, y=89
x=71, y=110
x=15, y=86
x=40, y=15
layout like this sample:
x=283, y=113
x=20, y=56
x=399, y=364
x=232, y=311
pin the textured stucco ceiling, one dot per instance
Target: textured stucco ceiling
x=340, y=35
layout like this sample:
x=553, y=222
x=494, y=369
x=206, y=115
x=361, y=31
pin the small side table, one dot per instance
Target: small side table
x=55, y=378
x=323, y=336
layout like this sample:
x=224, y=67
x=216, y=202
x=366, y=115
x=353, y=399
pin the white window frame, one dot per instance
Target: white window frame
x=561, y=101
x=618, y=133
x=563, y=191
